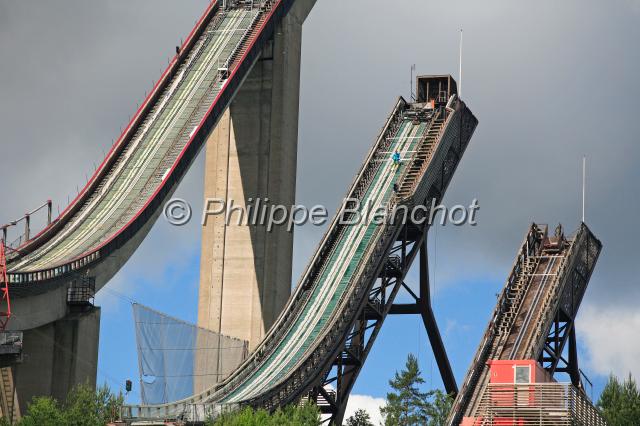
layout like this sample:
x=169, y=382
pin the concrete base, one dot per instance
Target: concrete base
x=245, y=270
x=58, y=356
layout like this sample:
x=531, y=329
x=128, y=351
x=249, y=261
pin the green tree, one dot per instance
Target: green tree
x=43, y=411
x=359, y=418
x=84, y=407
x=245, y=417
x=293, y=415
x=439, y=407
x=87, y=407
x=407, y=405
x=620, y=402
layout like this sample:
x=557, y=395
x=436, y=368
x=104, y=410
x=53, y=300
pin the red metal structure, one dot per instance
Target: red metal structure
x=524, y=393
x=4, y=288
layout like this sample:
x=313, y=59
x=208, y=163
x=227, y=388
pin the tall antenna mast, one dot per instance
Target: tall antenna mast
x=584, y=183
x=460, y=67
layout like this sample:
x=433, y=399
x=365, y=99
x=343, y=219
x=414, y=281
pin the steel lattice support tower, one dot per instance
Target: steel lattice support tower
x=4, y=288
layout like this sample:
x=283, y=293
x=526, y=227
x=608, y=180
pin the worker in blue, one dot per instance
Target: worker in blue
x=396, y=158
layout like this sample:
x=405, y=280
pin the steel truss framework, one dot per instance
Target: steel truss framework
x=411, y=243
x=348, y=334
x=4, y=288
x=552, y=358
x=555, y=329
x=562, y=333
x=350, y=360
x=399, y=245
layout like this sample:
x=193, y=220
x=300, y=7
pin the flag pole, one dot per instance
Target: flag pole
x=584, y=183
x=460, y=67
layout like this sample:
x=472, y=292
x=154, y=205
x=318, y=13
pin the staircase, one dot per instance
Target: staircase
x=500, y=326
x=514, y=295
x=8, y=397
x=422, y=156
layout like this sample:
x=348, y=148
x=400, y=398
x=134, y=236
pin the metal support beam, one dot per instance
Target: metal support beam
x=408, y=243
x=350, y=359
x=355, y=350
x=423, y=307
x=405, y=309
x=439, y=352
x=574, y=369
x=429, y=320
x=561, y=335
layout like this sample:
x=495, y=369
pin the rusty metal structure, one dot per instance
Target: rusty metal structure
x=535, y=313
x=5, y=314
x=541, y=404
x=320, y=342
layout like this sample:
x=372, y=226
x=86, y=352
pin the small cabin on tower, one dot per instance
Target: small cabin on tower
x=435, y=89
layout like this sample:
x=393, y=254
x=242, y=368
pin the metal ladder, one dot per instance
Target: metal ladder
x=424, y=152
x=515, y=294
x=10, y=408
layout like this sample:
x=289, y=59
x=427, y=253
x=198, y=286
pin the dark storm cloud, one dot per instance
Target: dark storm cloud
x=549, y=82
x=71, y=75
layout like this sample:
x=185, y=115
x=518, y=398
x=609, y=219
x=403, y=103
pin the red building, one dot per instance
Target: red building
x=521, y=393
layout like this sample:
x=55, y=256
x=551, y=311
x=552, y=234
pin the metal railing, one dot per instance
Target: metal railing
x=305, y=372
x=492, y=339
x=84, y=260
x=542, y=404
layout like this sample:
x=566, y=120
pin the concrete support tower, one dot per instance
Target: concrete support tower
x=245, y=271
x=58, y=356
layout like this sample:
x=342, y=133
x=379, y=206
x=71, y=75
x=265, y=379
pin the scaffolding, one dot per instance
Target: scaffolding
x=177, y=359
x=540, y=404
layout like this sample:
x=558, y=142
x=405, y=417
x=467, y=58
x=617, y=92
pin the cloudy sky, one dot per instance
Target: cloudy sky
x=549, y=82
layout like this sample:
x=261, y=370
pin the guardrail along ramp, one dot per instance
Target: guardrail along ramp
x=356, y=270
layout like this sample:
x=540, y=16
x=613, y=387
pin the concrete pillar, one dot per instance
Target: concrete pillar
x=58, y=356
x=245, y=271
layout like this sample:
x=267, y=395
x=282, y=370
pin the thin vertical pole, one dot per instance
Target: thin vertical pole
x=430, y=324
x=584, y=183
x=574, y=369
x=411, y=97
x=27, y=219
x=460, y=67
